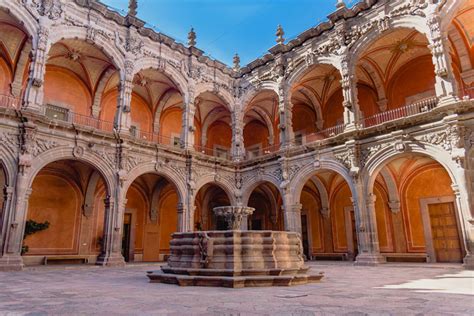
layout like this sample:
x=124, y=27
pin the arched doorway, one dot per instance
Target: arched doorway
x=68, y=202
x=328, y=218
x=417, y=218
x=150, y=218
x=209, y=196
x=268, y=214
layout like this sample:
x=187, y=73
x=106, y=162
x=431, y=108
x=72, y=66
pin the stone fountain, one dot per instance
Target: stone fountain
x=235, y=258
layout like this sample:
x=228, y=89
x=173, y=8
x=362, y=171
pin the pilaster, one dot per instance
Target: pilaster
x=292, y=217
x=111, y=254
x=188, y=129
x=349, y=92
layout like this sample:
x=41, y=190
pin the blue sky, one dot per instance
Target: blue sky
x=224, y=27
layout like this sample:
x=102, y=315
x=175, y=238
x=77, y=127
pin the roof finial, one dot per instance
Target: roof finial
x=236, y=61
x=192, y=38
x=132, y=7
x=279, y=34
x=340, y=4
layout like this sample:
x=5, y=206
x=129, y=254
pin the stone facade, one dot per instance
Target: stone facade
x=441, y=128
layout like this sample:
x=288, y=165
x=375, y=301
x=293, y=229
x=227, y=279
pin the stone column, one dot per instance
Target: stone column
x=467, y=223
x=9, y=260
x=349, y=92
x=292, y=217
x=123, y=120
x=445, y=82
x=182, y=222
x=367, y=236
x=238, y=150
x=285, y=112
x=188, y=129
x=34, y=93
x=111, y=254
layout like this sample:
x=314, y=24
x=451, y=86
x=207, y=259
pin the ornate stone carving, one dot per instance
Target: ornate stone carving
x=42, y=145
x=78, y=151
x=52, y=9
x=449, y=138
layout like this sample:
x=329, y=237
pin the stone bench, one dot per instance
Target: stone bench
x=83, y=259
x=406, y=257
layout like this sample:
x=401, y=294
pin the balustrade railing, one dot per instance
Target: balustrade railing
x=395, y=114
x=10, y=102
x=325, y=133
x=219, y=152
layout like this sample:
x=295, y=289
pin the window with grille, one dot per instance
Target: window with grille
x=57, y=113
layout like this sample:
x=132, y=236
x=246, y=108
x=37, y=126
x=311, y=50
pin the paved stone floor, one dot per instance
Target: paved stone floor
x=392, y=289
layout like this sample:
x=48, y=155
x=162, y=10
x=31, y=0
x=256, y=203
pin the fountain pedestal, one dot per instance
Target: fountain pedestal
x=235, y=258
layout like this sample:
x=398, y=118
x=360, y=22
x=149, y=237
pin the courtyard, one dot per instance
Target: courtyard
x=390, y=289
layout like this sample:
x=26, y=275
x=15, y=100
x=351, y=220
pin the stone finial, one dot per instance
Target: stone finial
x=340, y=4
x=192, y=37
x=132, y=7
x=236, y=61
x=279, y=34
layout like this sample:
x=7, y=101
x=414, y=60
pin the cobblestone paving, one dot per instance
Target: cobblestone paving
x=386, y=290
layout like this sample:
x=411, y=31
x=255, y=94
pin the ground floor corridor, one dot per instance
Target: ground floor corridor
x=390, y=289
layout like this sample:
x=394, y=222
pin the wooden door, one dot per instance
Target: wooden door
x=126, y=237
x=444, y=231
x=304, y=233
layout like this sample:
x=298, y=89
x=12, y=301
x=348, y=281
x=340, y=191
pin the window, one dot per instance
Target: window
x=133, y=131
x=57, y=113
x=298, y=139
x=221, y=153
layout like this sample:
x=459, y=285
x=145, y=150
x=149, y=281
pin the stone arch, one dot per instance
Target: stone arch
x=170, y=174
x=220, y=182
x=404, y=22
x=255, y=182
x=221, y=93
x=172, y=73
x=8, y=162
x=316, y=105
x=393, y=194
x=298, y=182
x=448, y=10
x=159, y=108
x=27, y=20
x=323, y=194
x=65, y=153
x=76, y=33
x=254, y=91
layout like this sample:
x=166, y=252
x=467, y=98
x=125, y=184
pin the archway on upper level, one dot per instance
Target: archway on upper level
x=208, y=197
x=327, y=218
x=317, y=101
x=267, y=201
x=420, y=221
x=15, y=49
x=150, y=217
x=395, y=71
x=69, y=196
x=156, y=108
x=77, y=73
x=212, y=121
x=460, y=34
x=260, y=122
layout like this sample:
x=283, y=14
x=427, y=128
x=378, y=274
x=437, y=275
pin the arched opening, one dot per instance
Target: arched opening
x=150, y=217
x=68, y=200
x=261, y=119
x=77, y=74
x=460, y=34
x=417, y=218
x=208, y=197
x=395, y=71
x=3, y=186
x=317, y=101
x=156, y=108
x=328, y=218
x=268, y=214
x=15, y=48
x=212, y=121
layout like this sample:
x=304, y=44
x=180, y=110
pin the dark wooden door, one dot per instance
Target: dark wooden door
x=304, y=233
x=444, y=231
x=126, y=236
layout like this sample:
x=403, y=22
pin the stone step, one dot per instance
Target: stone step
x=233, y=272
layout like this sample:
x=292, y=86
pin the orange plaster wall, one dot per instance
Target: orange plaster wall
x=312, y=207
x=62, y=88
x=255, y=133
x=421, y=185
x=98, y=218
x=57, y=200
x=136, y=201
x=415, y=77
x=383, y=219
x=367, y=100
x=304, y=120
x=171, y=121
x=333, y=112
x=219, y=133
x=5, y=78
x=141, y=114
x=168, y=219
x=109, y=105
x=339, y=201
